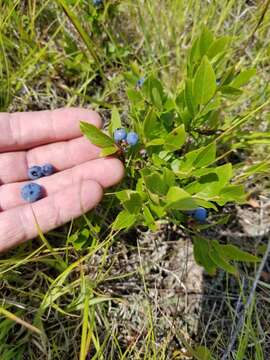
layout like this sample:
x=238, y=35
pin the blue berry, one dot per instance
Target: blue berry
x=140, y=82
x=97, y=2
x=200, y=214
x=132, y=138
x=35, y=172
x=47, y=169
x=119, y=134
x=31, y=192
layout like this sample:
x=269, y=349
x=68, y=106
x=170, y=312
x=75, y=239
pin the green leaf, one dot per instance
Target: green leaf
x=134, y=96
x=218, y=46
x=205, y=204
x=157, y=209
x=96, y=136
x=232, y=252
x=230, y=90
x=194, y=53
x=79, y=238
x=227, y=77
x=109, y=150
x=184, y=167
x=134, y=203
x=185, y=117
x=214, y=104
x=155, y=184
x=130, y=199
x=201, y=249
x=149, y=219
x=205, y=156
x=178, y=198
x=224, y=172
x=189, y=98
x=204, y=82
x=115, y=120
x=180, y=101
x=156, y=142
x=175, y=139
x=153, y=90
x=169, y=104
x=231, y=193
x=169, y=177
x=243, y=78
x=218, y=258
x=211, y=181
x=123, y=195
x=124, y=220
x=157, y=100
x=151, y=126
x=206, y=39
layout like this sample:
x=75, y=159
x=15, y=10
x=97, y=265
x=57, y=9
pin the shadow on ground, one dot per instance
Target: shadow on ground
x=168, y=292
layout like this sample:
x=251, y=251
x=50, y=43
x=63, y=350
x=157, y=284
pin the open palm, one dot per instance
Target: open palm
x=36, y=138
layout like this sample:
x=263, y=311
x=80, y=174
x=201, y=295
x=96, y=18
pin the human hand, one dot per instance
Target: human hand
x=36, y=138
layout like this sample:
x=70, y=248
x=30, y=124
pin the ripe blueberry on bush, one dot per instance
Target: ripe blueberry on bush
x=132, y=138
x=119, y=134
x=31, y=192
x=140, y=82
x=97, y=2
x=200, y=214
x=47, y=169
x=35, y=172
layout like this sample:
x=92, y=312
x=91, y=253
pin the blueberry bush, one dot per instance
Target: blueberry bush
x=175, y=149
x=188, y=115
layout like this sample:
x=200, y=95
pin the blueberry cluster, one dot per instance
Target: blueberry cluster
x=123, y=138
x=32, y=192
x=200, y=214
x=36, y=172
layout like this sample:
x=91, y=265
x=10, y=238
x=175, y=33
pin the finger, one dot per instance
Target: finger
x=106, y=171
x=18, y=225
x=62, y=155
x=25, y=130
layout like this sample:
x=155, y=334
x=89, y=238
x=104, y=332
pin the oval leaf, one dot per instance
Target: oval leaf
x=201, y=256
x=243, y=78
x=178, y=198
x=124, y=220
x=232, y=252
x=175, y=139
x=96, y=136
x=115, y=120
x=217, y=258
x=204, y=82
x=206, y=40
x=205, y=156
x=109, y=150
x=218, y=46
